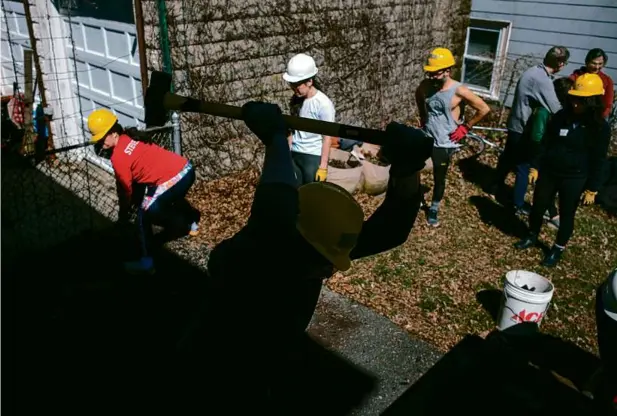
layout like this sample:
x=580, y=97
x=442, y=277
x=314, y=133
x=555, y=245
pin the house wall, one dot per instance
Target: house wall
x=369, y=53
x=579, y=25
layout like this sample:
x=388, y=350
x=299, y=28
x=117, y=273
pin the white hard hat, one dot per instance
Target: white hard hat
x=299, y=68
x=609, y=295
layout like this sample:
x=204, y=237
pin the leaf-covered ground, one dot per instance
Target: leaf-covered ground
x=441, y=284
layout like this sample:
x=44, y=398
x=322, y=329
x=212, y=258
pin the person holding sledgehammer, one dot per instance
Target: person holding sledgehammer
x=167, y=177
x=264, y=282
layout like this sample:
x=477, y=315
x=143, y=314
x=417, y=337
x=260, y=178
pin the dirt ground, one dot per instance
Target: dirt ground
x=445, y=282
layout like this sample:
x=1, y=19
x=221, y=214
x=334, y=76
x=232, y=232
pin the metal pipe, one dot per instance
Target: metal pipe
x=488, y=128
x=141, y=46
x=38, y=69
x=176, y=132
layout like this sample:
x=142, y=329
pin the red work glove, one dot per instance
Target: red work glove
x=459, y=134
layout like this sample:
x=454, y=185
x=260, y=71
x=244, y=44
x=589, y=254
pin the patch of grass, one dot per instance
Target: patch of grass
x=434, y=298
x=386, y=269
x=430, y=284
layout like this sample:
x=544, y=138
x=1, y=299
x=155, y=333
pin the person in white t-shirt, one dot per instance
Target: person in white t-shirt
x=309, y=151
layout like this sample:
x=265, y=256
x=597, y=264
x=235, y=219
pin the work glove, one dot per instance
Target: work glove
x=406, y=149
x=533, y=175
x=321, y=175
x=589, y=197
x=459, y=134
x=265, y=120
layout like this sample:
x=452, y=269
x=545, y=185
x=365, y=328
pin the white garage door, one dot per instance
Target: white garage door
x=14, y=40
x=108, y=74
x=107, y=67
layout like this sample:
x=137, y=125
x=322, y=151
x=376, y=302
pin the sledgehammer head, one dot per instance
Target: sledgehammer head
x=154, y=102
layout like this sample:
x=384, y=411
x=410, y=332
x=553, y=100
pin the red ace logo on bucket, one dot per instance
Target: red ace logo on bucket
x=523, y=316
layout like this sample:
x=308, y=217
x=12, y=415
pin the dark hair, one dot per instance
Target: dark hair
x=562, y=86
x=295, y=103
x=133, y=132
x=556, y=55
x=592, y=113
x=596, y=53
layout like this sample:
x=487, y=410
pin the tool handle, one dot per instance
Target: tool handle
x=59, y=150
x=325, y=128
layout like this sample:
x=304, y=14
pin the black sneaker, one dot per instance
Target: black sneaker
x=431, y=218
x=530, y=241
x=523, y=211
x=553, y=257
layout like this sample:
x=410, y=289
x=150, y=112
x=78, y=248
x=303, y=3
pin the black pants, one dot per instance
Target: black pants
x=170, y=210
x=441, y=158
x=305, y=167
x=570, y=191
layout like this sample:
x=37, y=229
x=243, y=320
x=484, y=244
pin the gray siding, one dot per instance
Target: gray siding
x=537, y=25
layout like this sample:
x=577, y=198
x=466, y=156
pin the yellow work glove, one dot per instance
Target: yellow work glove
x=533, y=175
x=589, y=197
x=321, y=174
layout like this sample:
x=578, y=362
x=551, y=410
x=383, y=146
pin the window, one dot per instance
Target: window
x=486, y=50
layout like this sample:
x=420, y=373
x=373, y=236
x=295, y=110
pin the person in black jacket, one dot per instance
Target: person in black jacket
x=264, y=282
x=573, y=152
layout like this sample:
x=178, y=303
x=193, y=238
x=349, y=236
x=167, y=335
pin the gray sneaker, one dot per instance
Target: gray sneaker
x=431, y=218
x=554, y=223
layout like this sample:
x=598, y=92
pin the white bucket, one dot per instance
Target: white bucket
x=527, y=296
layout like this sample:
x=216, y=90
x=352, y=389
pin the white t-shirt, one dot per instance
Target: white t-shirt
x=318, y=107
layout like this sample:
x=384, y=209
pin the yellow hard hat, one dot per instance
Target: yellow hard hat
x=439, y=58
x=587, y=85
x=330, y=220
x=100, y=122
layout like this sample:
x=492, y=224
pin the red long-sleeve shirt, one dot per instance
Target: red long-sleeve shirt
x=609, y=89
x=143, y=163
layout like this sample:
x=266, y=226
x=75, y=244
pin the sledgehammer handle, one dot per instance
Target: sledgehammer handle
x=325, y=128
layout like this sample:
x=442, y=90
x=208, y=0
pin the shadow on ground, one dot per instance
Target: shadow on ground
x=83, y=337
x=497, y=216
x=490, y=299
x=505, y=374
x=482, y=175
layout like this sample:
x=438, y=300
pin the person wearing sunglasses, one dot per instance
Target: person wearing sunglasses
x=140, y=164
x=575, y=148
x=441, y=102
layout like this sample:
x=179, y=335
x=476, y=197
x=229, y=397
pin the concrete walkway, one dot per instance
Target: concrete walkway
x=374, y=344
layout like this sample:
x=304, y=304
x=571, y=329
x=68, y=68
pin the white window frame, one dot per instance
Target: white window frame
x=504, y=28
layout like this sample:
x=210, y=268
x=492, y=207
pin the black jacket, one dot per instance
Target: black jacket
x=574, y=149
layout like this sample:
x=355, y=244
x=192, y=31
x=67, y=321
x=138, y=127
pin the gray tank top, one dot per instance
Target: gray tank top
x=440, y=123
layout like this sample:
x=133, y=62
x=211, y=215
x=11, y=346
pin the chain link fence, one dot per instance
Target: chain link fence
x=45, y=202
x=50, y=84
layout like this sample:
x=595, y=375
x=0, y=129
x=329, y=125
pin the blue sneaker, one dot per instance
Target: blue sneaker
x=194, y=231
x=145, y=265
x=432, y=218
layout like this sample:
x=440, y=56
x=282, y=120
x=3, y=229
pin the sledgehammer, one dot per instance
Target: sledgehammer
x=159, y=100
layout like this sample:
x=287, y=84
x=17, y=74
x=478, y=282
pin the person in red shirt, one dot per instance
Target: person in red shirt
x=595, y=60
x=167, y=177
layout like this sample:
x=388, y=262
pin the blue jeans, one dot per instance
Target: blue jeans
x=513, y=159
x=348, y=144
